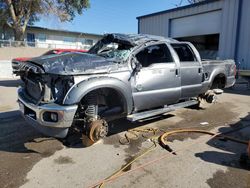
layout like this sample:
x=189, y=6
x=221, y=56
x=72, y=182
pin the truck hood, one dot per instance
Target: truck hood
x=75, y=64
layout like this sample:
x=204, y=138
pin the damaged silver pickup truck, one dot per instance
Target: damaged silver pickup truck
x=133, y=76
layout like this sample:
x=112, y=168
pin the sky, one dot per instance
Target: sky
x=110, y=16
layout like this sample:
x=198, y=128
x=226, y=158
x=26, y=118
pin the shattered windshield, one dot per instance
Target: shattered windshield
x=114, y=50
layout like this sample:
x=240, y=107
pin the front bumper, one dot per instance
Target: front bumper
x=34, y=115
x=15, y=66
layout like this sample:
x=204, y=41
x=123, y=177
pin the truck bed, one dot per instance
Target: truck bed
x=225, y=66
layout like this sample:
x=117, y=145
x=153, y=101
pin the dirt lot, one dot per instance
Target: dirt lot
x=29, y=159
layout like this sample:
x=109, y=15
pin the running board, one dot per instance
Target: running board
x=155, y=112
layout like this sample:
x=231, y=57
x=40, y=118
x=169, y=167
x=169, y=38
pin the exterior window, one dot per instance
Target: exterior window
x=184, y=52
x=154, y=54
x=89, y=42
x=68, y=40
x=31, y=39
x=82, y=41
x=41, y=37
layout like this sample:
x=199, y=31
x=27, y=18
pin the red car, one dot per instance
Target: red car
x=16, y=61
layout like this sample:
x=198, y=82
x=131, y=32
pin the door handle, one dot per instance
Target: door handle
x=176, y=72
x=199, y=70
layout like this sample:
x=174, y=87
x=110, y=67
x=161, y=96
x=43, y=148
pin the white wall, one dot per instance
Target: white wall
x=57, y=39
x=6, y=69
x=226, y=17
x=62, y=40
x=200, y=24
x=160, y=23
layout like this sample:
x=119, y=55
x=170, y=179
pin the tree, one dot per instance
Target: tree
x=194, y=1
x=188, y=1
x=17, y=14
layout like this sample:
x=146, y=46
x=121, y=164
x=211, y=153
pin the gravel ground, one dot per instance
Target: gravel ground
x=29, y=159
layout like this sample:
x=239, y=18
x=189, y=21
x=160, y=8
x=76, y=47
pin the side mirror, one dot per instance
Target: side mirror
x=135, y=64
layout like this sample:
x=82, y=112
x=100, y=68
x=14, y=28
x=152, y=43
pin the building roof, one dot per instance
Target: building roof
x=178, y=8
x=63, y=31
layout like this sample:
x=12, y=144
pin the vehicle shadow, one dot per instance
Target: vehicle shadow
x=74, y=140
x=230, y=152
x=238, y=91
x=16, y=136
x=21, y=147
x=122, y=125
x=11, y=83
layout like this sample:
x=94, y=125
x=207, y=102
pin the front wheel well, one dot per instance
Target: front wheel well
x=110, y=101
x=219, y=82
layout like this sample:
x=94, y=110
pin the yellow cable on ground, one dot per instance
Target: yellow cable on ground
x=162, y=141
x=164, y=136
x=129, y=163
x=135, y=134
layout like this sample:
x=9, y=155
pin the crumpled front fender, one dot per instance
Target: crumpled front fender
x=79, y=90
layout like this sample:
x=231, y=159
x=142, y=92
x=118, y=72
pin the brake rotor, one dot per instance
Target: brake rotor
x=98, y=130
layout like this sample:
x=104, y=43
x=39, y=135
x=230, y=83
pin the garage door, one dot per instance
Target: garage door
x=200, y=24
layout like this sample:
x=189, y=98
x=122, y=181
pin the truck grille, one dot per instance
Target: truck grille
x=34, y=89
x=15, y=66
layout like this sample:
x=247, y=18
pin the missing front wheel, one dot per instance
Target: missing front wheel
x=98, y=129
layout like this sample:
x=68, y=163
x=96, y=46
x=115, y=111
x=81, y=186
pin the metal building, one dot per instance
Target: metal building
x=218, y=28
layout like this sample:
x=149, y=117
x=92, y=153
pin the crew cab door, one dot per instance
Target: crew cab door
x=157, y=83
x=191, y=71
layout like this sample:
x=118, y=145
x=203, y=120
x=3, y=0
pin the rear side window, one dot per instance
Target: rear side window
x=184, y=52
x=154, y=54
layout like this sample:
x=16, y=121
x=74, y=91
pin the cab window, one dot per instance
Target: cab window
x=184, y=52
x=154, y=54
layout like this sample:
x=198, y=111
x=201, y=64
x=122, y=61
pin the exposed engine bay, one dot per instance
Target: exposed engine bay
x=44, y=88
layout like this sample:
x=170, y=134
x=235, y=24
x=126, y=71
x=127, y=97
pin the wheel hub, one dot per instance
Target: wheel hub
x=98, y=130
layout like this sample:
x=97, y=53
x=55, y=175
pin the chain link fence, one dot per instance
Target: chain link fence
x=52, y=45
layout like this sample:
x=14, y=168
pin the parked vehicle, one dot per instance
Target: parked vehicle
x=16, y=62
x=133, y=76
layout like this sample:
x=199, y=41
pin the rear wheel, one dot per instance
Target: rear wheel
x=219, y=82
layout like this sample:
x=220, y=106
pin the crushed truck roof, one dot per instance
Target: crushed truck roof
x=136, y=39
